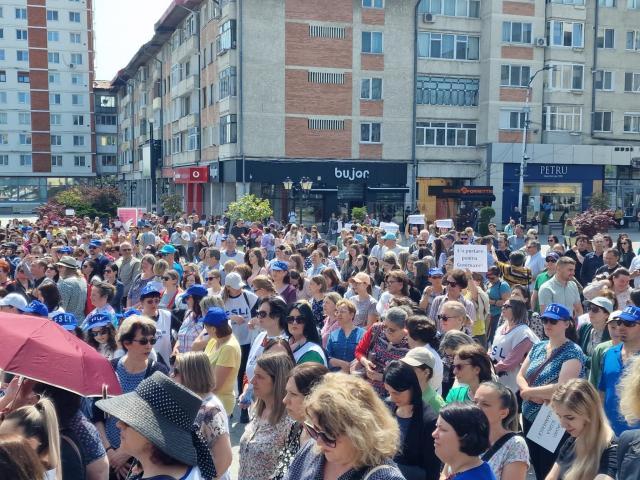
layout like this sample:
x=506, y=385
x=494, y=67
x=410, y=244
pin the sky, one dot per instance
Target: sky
x=121, y=28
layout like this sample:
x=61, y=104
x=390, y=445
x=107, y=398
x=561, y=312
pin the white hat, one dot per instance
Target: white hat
x=234, y=280
x=14, y=300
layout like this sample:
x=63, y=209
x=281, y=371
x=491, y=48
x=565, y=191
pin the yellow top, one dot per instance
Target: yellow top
x=226, y=354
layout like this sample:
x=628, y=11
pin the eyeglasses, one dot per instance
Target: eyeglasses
x=550, y=260
x=552, y=321
x=299, y=319
x=125, y=249
x=595, y=308
x=626, y=323
x=506, y=306
x=459, y=366
x=319, y=434
x=464, y=239
x=166, y=279
x=146, y=341
x=211, y=278
x=263, y=314
x=102, y=331
x=445, y=318
x=451, y=284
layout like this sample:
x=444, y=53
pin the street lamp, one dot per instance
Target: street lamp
x=524, y=158
x=304, y=186
x=288, y=184
x=133, y=186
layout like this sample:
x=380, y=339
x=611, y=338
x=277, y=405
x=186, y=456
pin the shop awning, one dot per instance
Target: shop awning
x=324, y=190
x=389, y=189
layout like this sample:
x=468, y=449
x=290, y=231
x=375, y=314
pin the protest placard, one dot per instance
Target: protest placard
x=444, y=223
x=389, y=227
x=470, y=257
x=546, y=429
x=415, y=220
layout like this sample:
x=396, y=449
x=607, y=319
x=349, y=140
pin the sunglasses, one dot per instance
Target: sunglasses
x=211, y=278
x=166, y=279
x=451, y=284
x=459, y=366
x=299, y=319
x=146, y=341
x=319, y=434
x=262, y=314
x=595, y=308
x=626, y=323
x=550, y=260
x=552, y=321
x=102, y=331
x=444, y=318
x=506, y=306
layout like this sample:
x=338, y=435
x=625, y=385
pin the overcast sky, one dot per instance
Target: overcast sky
x=121, y=28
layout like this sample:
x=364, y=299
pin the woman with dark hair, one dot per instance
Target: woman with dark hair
x=300, y=284
x=103, y=339
x=191, y=328
x=100, y=294
x=52, y=272
x=49, y=294
x=111, y=277
x=305, y=341
x=18, y=460
x=439, y=252
x=349, y=265
x=296, y=263
x=422, y=333
x=625, y=247
x=255, y=260
x=416, y=458
x=374, y=271
x=471, y=366
x=461, y=436
x=397, y=284
x=318, y=288
x=333, y=282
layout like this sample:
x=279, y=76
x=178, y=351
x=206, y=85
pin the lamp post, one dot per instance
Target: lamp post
x=304, y=186
x=133, y=186
x=524, y=158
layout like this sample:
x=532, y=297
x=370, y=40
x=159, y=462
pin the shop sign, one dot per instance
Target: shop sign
x=353, y=174
x=468, y=192
x=191, y=175
x=552, y=171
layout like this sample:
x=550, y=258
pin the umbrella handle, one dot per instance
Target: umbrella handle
x=105, y=389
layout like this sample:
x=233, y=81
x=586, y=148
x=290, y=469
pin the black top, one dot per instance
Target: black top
x=608, y=459
x=629, y=455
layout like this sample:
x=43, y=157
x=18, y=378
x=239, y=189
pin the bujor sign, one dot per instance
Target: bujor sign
x=353, y=174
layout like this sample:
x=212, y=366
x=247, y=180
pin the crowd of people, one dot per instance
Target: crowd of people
x=361, y=355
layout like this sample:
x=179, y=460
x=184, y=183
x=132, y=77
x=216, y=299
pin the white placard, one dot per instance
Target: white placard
x=69, y=212
x=470, y=257
x=415, y=220
x=444, y=223
x=546, y=430
x=389, y=227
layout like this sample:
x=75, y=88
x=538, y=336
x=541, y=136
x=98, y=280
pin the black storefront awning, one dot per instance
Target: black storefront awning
x=467, y=193
x=389, y=189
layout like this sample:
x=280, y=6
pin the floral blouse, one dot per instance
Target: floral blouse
x=260, y=447
x=213, y=422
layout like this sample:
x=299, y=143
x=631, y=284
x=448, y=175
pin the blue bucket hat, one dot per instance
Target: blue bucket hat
x=216, y=317
x=149, y=290
x=630, y=314
x=35, y=308
x=195, y=291
x=556, y=311
x=280, y=266
x=68, y=321
x=436, y=272
x=95, y=321
x=95, y=243
x=389, y=236
x=131, y=311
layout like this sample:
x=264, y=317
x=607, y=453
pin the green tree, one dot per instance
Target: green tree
x=485, y=216
x=250, y=208
x=172, y=204
x=358, y=214
x=599, y=202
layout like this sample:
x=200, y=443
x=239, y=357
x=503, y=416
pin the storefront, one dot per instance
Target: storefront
x=458, y=202
x=192, y=181
x=622, y=187
x=337, y=187
x=565, y=190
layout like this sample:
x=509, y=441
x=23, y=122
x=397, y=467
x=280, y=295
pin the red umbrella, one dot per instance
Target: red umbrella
x=39, y=349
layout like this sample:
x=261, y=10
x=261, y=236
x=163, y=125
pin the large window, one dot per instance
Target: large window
x=632, y=122
x=516, y=32
x=603, y=80
x=515, y=75
x=455, y=91
x=373, y=3
x=566, y=76
x=606, y=38
x=228, y=129
x=631, y=82
x=562, y=117
x=633, y=40
x=602, y=121
x=446, y=134
x=372, y=42
x=512, y=119
x=565, y=34
x=370, y=132
x=227, y=82
x=451, y=8
x=448, y=46
x=226, y=38
x=371, y=89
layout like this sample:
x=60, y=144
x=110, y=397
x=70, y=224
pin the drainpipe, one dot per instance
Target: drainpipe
x=414, y=160
x=240, y=125
x=594, y=67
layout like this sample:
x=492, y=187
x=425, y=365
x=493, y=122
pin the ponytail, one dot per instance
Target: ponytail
x=509, y=401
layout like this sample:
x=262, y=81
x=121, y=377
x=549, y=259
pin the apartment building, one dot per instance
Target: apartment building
x=106, y=129
x=46, y=106
x=372, y=101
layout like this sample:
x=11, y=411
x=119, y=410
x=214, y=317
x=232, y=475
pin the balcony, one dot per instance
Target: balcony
x=188, y=85
x=187, y=122
x=187, y=49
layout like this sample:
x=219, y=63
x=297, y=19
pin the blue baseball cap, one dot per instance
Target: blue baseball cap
x=195, y=291
x=168, y=249
x=216, y=317
x=36, y=308
x=131, y=311
x=552, y=256
x=95, y=321
x=68, y=321
x=436, y=272
x=630, y=314
x=556, y=311
x=65, y=250
x=95, y=244
x=389, y=236
x=149, y=290
x=280, y=266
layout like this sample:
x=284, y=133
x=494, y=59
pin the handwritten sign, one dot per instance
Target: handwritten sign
x=471, y=257
x=445, y=223
x=546, y=430
x=415, y=220
x=389, y=227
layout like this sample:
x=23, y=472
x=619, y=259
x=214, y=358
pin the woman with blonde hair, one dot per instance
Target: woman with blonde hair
x=18, y=461
x=355, y=434
x=590, y=452
x=629, y=393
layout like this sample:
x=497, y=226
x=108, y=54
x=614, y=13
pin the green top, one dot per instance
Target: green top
x=433, y=399
x=458, y=394
x=596, y=362
x=540, y=279
x=311, y=356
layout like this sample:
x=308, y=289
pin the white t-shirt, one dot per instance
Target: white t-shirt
x=503, y=345
x=383, y=303
x=635, y=265
x=438, y=370
x=163, y=336
x=241, y=306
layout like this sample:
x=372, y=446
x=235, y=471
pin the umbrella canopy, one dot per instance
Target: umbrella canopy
x=39, y=349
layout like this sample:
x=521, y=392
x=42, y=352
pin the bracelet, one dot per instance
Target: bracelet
x=109, y=448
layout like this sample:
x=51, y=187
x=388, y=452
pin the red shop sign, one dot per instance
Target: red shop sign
x=191, y=175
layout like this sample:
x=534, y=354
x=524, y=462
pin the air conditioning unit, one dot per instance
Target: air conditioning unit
x=635, y=162
x=428, y=18
x=541, y=42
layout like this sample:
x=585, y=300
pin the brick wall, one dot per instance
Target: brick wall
x=302, y=96
x=302, y=142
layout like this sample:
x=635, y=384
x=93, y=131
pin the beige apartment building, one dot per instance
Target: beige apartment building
x=382, y=103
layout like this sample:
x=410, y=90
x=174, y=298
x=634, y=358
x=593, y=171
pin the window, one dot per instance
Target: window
x=55, y=119
x=53, y=36
x=602, y=121
x=515, y=75
x=24, y=98
x=108, y=160
x=54, y=78
x=370, y=132
x=24, y=139
x=512, y=119
x=55, y=98
x=52, y=15
x=56, y=140
x=4, y=139
x=371, y=42
x=320, y=31
x=74, y=17
x=77, y=79
x=176, y=144
x=22, y=55
x=76, y=58
x=3, y=118
x=607, y=3
x=565, y=34
x=631, y=123
x=75, y=37
x=605, y=38
x=23, y=77
x=3, y=97
x=4, y=160
x=632, y=82
x=562, y=117
x=1, y=32
x=3, y=75
x=54, y=57
x=79, y=161
x=633, y=40
x=2, y=56
x=603, y=80
x=77, y=99
x=193, y=139
x=24, y=118
x=25, y=160
x=451, y=8
x=633, y=4
x=21, y=13
x=106, y=119
x=454, y=91
x=516, y=32
x=448, y=46
x=56, y=160
x=227, y=82
x=371, y=89
x=228, y=129
x=107, y=140
x=445, y=134
x=226, y=38
x=78, y=141
x=21, y=34
x=566, y=77
x=372, y=3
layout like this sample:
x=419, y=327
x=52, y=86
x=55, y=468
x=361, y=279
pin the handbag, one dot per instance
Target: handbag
x=374, y=470
x=536, y=373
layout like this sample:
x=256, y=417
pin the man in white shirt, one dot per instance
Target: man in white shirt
x=634, y=269
x=390, y=244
